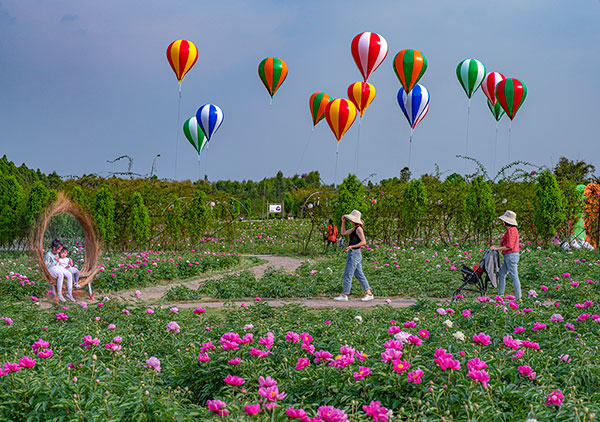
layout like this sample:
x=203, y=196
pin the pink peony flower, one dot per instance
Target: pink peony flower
x=40, y=344
x=555, y=398
x=7, y=320
x=252, y=409
x=173, y=326
x=482, y=376
x=266, y=382
x=296, y=414
x=376, y=411
x=26, y=362
x=556, y=318
x=199, y=311
x=218, y=407
x=234, y=380
x=482, y=338
x=527, y=371
x=466, y=313
x=203, y=357
x=271, y=393
x=332, y=414
x=45, y=354
x=400, y=365
x=62, y=316
x=424, y=333
x=293, y=337
x=153, y=363
x=415, y=376
x=302, y=363
x=322, y=355
x=149, y=311
x=363, y=371
x=476, y=364
x=538, y=326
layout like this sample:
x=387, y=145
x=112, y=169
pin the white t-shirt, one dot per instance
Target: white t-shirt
x=64, y=262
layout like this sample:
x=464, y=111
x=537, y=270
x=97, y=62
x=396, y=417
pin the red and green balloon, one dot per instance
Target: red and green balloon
x=511, y=93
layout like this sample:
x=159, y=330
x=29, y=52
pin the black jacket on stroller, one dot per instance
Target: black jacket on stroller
x=477, y=279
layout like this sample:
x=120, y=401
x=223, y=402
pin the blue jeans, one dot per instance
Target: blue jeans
x=510, y=266
x=354, y=268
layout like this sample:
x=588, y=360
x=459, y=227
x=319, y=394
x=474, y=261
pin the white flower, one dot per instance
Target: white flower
x=248, y=327
x=441, y=311
x=330, y=270
x=448, y=323
x=459, y=335
x=358, y=319
x=402, y=336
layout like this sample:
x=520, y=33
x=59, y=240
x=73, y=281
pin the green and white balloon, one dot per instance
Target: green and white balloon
x=194, y=134
x=470, y=74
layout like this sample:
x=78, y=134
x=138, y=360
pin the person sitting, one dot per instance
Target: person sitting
x=51, y=259
x=66, y=262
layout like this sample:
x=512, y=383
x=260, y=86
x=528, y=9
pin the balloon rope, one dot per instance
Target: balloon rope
x=468, y=117
x=178, y=129
x=357, y=149
x=336, y=164
x=271, y=101
x=495, y=149
x=410, y=146
x=198, y=166
x=509, y=126
x=304, y=151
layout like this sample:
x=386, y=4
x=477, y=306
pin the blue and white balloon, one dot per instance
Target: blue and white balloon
x=415, y=104
x=209, y=118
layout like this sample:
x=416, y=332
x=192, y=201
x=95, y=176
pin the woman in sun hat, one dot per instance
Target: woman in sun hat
x=353, y=265
x=509, y=246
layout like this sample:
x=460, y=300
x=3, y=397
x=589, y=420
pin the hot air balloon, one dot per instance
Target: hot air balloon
x=182, y=55
x=496, y=110
x=488, y=86
x=415, y=104
x=470, y=74
x=209, y=118
x=194, y=134
x=369, y=50
x=340, y=115
x=510, y=94
x=317, y=103
x=409, y=66
x=361, y=94
x=272, y=72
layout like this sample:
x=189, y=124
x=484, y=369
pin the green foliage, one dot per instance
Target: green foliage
x=351, y=197
x=38, y=198
x=174, y=221
x=197, y=216
x=104, y=214
x=574, y=171
x=139, y=221
x=549, y=207
x=414, y=200
x=481, y=207
x=11, y=198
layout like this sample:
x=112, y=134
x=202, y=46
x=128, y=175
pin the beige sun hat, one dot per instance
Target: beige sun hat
x=509, y=217
x=354, y=216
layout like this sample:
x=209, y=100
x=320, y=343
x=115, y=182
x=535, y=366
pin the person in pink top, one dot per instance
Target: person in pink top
x=509, y=246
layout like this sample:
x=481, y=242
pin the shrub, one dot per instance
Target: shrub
x=104, y=213
x=550, y=206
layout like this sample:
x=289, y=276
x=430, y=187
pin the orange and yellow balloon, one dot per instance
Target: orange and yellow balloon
x=340, y=115
x=317, y=103
x=361, y=94
x=182, y=55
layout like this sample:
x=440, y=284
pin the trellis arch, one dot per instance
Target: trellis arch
x=62, y=204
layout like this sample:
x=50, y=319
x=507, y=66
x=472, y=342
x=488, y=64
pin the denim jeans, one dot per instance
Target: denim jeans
x=354, y=268
x=510, y=266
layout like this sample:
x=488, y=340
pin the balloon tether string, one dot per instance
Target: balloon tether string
x=177, y=136
x=337, y=150
x=410, y=145
x=509, y=127
x=495, y=149
x=304, y=151
x=357, y=149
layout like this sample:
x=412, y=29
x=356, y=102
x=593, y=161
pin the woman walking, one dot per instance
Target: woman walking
x=353, y=261
x=509, y=246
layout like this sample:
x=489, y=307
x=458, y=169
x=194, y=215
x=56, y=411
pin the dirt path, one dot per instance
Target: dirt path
x=156, y=292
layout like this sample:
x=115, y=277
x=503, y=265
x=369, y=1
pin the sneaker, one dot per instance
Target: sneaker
x=366, y=298
x=71, y=298
x=341, y=297
x=61, y=298
x=77, y=286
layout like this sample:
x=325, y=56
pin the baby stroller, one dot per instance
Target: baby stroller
x=473, y=280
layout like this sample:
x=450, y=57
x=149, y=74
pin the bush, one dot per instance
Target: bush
x=550, y=206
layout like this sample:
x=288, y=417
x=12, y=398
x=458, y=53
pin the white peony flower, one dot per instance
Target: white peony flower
x=448, y=323
x=459, y=335
x=358, y=319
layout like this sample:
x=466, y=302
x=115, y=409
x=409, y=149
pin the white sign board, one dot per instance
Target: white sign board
x=275, y=208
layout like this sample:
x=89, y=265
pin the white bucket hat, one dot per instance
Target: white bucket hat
x=354, y=216
x=509, y=217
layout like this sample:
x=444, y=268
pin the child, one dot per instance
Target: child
x=51, y=259
x=66, y=262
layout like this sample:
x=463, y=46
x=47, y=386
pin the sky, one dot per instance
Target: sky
x=83, y=82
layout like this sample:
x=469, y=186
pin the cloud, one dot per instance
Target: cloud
x=69, y=18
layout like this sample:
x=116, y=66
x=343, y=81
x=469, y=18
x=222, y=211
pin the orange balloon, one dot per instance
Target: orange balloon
x=182, y=55
x=361, y=94
x=340, y=115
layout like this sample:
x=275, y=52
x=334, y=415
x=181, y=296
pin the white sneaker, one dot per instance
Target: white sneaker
x=71, y=298
x=366, y=298
x=77, y=286
x=341, y=297
x=61, y=298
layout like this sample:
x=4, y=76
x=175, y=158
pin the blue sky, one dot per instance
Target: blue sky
x=83, y=82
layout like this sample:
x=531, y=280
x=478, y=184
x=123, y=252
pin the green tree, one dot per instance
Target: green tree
x=197, y=216
x=139, y=220
x=174, y=223
x=37, y=199
x=414, y=200
x=11, y=198
x=351, y=197
x=104, y=214
x=481, y=207
x=574, y=171
x=549, y=207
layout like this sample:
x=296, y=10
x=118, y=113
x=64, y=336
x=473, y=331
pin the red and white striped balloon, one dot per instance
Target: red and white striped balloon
x=369, y=50
x=489, y=85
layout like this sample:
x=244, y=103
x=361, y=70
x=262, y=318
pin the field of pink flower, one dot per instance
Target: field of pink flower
x=489, y=359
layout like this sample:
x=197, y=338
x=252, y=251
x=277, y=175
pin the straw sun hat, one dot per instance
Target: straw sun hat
x=354, y=216
x=509, y=217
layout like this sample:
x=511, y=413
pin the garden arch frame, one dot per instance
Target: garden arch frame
x=62, y=204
